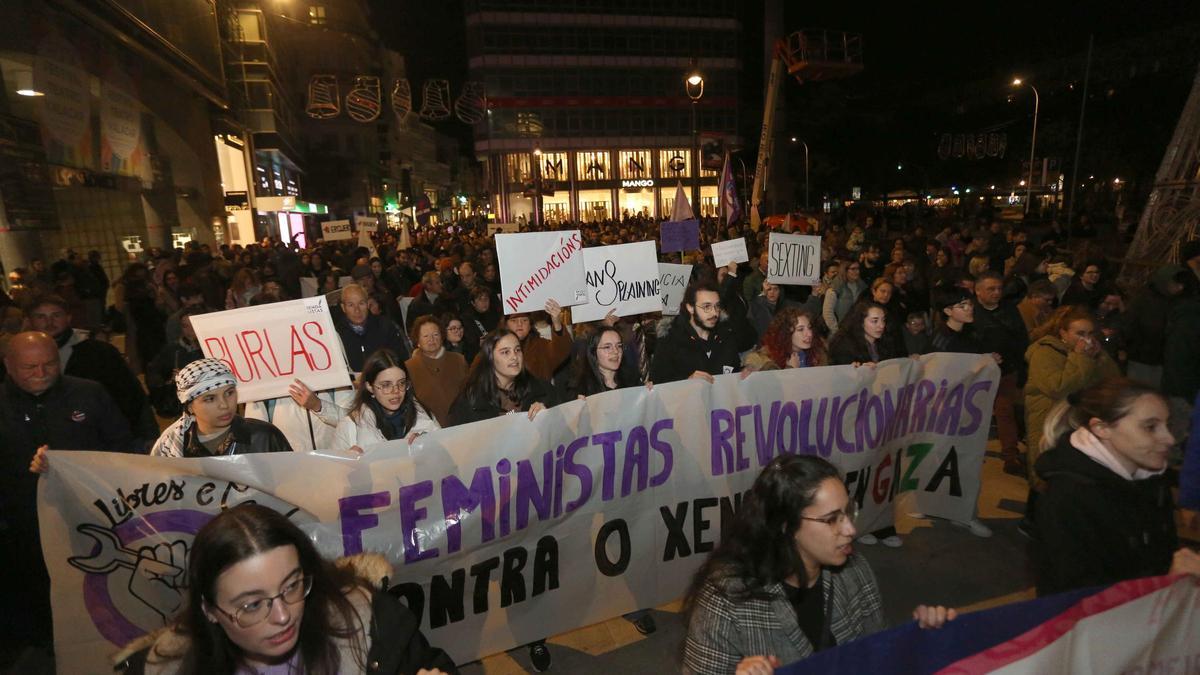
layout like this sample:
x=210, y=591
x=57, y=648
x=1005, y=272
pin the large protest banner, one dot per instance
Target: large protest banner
x=622, y=278
x=1140, y=626
x=672, y=283
x=509, y=530
x=269, y=346
x=540, y=266
x=793, y=259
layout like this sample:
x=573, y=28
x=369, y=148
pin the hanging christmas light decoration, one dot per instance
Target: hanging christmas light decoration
x=435, y=105
x=323, y=99
x=471, y=103
x=401, y=99
x=364, y=101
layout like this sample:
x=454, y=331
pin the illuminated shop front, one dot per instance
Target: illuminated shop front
x=592, y=185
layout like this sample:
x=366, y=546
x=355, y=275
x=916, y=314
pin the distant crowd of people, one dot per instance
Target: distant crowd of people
x=1095, y=380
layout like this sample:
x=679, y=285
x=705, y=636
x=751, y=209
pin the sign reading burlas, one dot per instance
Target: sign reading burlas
x=269, y=346
x=540, y=266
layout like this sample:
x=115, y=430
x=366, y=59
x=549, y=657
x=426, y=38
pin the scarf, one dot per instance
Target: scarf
x=1086, y=442
x=194, y=380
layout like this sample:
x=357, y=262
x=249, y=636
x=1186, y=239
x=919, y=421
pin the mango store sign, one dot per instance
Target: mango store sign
x=269, y=346
x=793, y=259
x=540, y=266
x=622, y=278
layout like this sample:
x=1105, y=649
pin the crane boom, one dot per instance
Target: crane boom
x=766, y=142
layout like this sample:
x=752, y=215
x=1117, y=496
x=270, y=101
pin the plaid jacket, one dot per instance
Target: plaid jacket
x=722, y=632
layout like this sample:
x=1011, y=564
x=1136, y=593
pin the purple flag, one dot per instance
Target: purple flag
x=679, y=235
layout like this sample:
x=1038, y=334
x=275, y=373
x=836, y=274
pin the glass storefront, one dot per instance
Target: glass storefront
x=595, y=205
x=636, y=202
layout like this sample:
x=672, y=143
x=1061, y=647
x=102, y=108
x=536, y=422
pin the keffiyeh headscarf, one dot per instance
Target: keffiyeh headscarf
x=191, y=382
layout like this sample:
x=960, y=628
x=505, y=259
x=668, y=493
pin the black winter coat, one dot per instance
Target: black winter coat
x=380, y=332
x=682, y=352
x=466, y=410
x=246, y=437
x=1001, y=330
x=1096, y=528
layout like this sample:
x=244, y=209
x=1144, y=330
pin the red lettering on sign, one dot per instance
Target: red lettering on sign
x=319, y=342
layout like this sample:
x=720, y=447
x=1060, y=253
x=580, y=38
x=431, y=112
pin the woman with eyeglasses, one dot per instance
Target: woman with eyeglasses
x=385, y=407
x=785, y=582
x=601, y=366
x=842, y=295
x=260, y=599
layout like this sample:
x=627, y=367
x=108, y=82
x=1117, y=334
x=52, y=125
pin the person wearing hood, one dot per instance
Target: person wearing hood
x=1145, y=324
x=1107, y=514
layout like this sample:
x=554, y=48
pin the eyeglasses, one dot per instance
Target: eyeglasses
x=614, y=347
x=254, y=612
x=709, y=307
x=389, y=387
x=837, y=518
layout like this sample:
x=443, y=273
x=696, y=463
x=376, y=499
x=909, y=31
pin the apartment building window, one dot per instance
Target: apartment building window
x=316, y=15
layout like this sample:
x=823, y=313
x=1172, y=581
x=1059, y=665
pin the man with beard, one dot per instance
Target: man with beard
x=699, y=345
x=82, y=356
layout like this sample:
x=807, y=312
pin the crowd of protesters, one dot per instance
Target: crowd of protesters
x=423, y=331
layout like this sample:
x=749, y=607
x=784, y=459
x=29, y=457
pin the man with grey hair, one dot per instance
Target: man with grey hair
x=363, y=332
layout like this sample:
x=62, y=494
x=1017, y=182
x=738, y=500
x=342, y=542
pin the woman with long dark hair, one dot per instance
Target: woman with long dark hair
x=791, y=341
x=385, y=406
x=601, y=366
x=261, y=599
x=785, y=581
x=1107, y=514
x=862, y=336
x=499, y=383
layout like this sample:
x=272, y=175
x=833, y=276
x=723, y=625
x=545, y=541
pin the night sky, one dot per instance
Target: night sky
x=930, y=67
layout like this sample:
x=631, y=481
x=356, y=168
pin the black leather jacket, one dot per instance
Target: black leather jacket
x=245, y=437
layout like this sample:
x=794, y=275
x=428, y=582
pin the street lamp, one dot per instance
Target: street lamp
x=693, y=85
x=796, y=140
x=1032, y=141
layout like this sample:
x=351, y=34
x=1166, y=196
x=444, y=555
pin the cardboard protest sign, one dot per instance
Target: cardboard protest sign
x=734, y=250
x=672, y=282
x=506, y=228
x=496, y=541
x=336, y=230
x=540, y=266
x=681, y=235
x=793, y=259
x=623, y=278
x=367, y=223
x=269, y=346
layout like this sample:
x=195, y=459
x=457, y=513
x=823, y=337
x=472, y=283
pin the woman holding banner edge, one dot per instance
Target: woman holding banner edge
x=788, y=562
x=385, y=406
x=499, y=384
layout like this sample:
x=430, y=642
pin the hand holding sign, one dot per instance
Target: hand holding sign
x=732, y=251
x=793, y=259
x=540, y=266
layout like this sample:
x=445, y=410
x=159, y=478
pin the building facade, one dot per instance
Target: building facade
x=107, y=128
x=588, y=118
